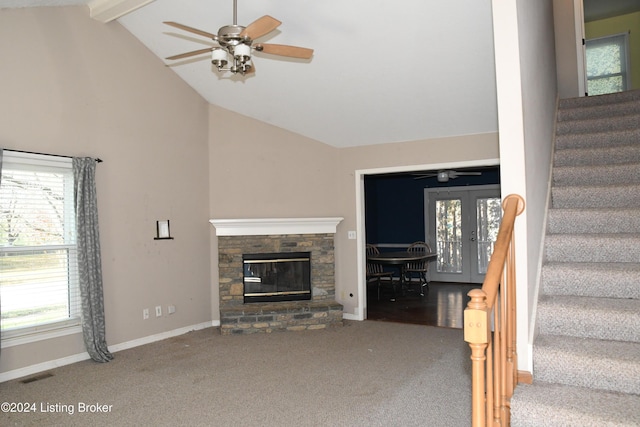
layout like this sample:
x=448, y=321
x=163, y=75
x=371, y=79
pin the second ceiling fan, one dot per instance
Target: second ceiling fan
x=446, y=175
x=235, y=42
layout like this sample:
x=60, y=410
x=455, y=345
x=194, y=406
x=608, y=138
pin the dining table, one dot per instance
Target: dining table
x=399, y=259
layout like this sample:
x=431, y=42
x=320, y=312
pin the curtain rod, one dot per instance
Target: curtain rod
x=45, y=154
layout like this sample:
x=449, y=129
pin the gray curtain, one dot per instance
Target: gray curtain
x=1, y=151
x=89, y=264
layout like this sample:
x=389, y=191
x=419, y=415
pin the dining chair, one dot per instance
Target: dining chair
x=417, y=271
x=375, y=272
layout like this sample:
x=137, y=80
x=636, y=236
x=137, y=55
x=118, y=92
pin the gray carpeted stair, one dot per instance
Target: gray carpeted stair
x=586, y=356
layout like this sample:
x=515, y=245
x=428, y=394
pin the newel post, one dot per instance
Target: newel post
x=476, y=333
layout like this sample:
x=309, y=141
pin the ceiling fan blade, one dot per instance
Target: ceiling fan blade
x=454, y=174
x=192, y=53
x=260, y=27
x=284, y=50
x=191, y=29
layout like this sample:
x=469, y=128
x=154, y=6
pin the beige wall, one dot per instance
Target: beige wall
x=261, y=171
x=73, y=86
x=289, y=175
x=569, y=32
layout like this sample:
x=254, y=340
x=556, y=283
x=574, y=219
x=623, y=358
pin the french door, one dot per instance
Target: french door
x=461, y=226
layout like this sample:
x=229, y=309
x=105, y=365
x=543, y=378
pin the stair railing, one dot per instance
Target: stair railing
x=490, y=328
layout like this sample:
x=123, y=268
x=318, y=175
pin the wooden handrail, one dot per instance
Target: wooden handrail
x=493, y=344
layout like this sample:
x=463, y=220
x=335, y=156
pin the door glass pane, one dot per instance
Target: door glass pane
x=449, y=235
x=489, y=213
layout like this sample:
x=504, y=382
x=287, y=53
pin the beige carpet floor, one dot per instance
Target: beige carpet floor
x=363, y=374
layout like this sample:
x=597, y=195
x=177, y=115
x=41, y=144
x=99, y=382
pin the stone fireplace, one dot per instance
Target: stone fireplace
x=239, y=239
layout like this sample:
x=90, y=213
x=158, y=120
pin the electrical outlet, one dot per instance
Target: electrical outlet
x=171, y=309
x=351, y=234
x=158, y=310
x=145, y=314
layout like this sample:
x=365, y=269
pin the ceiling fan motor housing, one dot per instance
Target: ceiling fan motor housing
x=229, y=35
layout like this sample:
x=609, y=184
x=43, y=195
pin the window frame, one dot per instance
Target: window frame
x=72, y=324
x=625, y=64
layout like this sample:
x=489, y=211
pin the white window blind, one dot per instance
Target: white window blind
x=38, y=265
x=608, y=64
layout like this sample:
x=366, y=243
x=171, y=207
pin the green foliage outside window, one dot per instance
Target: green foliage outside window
x=606, y=65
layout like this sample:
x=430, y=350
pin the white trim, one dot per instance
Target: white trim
x=273, y=226
x=45, y=366
x=40, y=333
x=108, y=10
x=361, y=309
x=51, y=364
x=350, y=316
x=39, y=329
x=433, y=166
x=161, y=336
x=17, y=159
x=581, y=48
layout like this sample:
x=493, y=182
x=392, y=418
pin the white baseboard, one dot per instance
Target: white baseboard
x=350, y=316
x=51, y=364
x=44, y=366
x=161, y=336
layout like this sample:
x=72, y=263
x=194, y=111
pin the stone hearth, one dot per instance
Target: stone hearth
x=314, y=235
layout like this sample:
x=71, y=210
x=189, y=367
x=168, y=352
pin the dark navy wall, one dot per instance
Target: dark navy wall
x=394, y=204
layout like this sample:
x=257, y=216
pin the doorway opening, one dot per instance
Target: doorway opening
x=365, y=231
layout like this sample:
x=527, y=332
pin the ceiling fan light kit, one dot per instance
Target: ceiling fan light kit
x=233, y=53
x=235, y=49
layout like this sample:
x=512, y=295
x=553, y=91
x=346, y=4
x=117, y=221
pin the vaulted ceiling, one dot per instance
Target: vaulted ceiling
x=382, y=71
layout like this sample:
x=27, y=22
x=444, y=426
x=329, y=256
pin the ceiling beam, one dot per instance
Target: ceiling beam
x=108, y=10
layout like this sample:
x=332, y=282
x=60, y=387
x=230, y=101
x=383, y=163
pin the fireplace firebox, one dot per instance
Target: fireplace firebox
x=277, y=277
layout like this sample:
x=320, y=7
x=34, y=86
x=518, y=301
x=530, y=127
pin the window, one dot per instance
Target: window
x=607, y=64
x=38, y=267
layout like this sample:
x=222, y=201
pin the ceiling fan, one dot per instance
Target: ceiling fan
x=446, y=175
x=235, y=42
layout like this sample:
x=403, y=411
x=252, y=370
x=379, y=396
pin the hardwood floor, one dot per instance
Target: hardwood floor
x=443, y=305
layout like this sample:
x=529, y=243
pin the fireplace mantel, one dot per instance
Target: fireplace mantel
x=273, y=226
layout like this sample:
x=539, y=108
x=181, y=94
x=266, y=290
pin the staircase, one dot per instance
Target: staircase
x=586, y=356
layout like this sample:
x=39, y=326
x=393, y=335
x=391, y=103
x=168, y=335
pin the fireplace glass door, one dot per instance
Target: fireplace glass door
x=277, y=277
